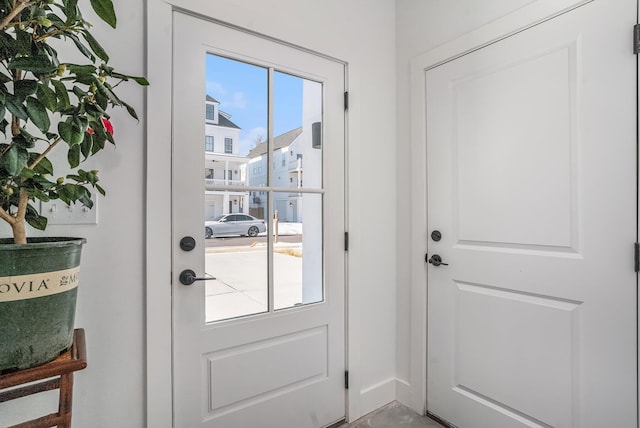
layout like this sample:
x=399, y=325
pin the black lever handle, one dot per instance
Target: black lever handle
x=436, y=260
x=188, y=277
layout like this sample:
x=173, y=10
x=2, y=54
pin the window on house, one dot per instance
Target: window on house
x=228, y=174
x=228, y=145
x=284, y=159
x=208, y=173
x=210, y=112
x=208, y=143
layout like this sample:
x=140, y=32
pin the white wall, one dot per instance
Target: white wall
x=110, y=392
x=423, y=25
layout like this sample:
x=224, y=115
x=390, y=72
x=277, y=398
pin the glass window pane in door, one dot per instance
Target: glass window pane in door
x=297, y=249
x=297, y=117
x=236, y=246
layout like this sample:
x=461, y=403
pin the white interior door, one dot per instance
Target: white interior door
x=262, y=344
x=531, y=159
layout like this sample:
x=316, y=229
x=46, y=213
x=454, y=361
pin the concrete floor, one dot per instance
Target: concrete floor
x=393, y=415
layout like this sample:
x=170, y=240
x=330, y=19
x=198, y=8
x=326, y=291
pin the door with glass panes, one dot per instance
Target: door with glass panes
x=258, y=225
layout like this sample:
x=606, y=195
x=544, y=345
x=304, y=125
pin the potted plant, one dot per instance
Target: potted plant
x=47, y=105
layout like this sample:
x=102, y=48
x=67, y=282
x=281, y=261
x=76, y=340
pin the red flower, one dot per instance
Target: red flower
x=108, y=126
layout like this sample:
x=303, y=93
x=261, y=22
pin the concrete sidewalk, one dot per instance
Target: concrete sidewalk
x=241, y=276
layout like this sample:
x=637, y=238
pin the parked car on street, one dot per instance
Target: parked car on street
x=234, y=224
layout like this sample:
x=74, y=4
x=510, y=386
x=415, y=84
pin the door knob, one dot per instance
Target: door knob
x=187, y=243
x=188, y=277
x=436, y=260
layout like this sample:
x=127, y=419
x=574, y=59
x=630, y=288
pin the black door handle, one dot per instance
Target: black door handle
x=436, y=260
x=188, y=277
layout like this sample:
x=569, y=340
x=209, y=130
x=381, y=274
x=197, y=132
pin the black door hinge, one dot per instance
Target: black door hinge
x=346, y=379
x=346, y=100
x=636, y=255
x=636, y=39
x=346, y=241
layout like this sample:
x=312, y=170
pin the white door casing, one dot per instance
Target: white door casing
x=282, y=368
x=531, y=181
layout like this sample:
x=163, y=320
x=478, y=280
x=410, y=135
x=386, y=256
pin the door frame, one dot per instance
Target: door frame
x=158, y=241
x=515, y=22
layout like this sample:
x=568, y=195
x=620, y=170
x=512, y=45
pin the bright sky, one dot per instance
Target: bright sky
x=242, y=91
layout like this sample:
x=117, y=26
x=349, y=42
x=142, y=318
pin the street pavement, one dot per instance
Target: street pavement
x=241, y=276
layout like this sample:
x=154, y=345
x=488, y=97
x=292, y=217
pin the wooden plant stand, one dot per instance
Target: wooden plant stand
x=58, y=374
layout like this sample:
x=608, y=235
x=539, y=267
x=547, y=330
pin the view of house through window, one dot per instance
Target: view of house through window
x=263, y=229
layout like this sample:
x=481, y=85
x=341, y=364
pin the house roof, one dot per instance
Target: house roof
x=223, y=121
x=223, y=117
x=282, y=140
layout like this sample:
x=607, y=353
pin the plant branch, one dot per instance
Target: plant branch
x=6, y=216
x=45, y=153
x=18, y=7
x=23, y=199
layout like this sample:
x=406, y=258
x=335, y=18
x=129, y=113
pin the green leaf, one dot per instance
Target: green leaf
x=53, y=55
x=24, y=88
x=105, y=90
x=96, y=47
x=61, y=94
x=22, y=42
x=81, y=69
x=16, y=107
x=27, y=173
x=141, y=80
x=82, y=123
x=34, y=64
x=39, y=194
x=47, y=97
x=38, y=114
x=71, y=9
x=37, y=222
x=23, y=142
x=24, y=139
x=43, y=182
x=3, y=125
x=73, y=156
x=14, y=159
x=7, y=45
x=79, y=92
x=82, y=48
x=70, y=133
x=55, y=19
x=101, y=100
x=44, y=167
x=104, y=9
x=86, y=145
x=84, y=196
x=138, y=79
x=131, y=111
x=100, y=189
x=69, y=193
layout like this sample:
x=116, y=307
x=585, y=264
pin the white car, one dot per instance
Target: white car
x=234, y=224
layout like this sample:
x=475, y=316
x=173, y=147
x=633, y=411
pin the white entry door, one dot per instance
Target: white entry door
x=259, y=336
x=531, y=157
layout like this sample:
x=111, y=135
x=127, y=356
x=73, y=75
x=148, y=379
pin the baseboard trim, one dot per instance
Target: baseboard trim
x=376, y=396
x=403, y=392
